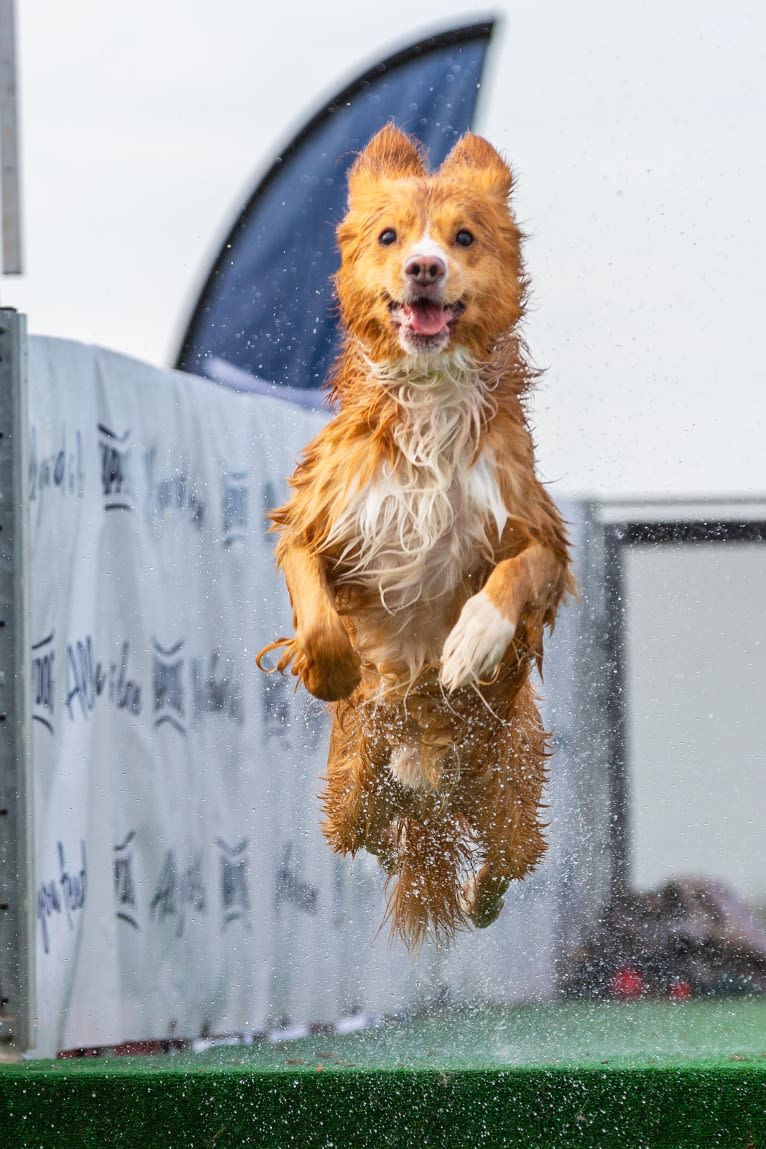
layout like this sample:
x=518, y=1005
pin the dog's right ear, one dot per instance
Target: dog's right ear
x=390, y=154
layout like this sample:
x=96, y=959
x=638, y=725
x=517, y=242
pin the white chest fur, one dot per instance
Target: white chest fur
x=429, y=518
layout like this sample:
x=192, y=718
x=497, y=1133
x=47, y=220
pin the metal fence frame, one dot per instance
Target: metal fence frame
x=681, y=522
x=17, y=980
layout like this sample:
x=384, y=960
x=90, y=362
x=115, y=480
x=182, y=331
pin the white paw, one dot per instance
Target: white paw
x=476, y=643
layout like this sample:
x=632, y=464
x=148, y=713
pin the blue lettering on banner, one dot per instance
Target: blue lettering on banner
x=62, y=469
x=124, y=692
x=235, y=882
x=165, y=899
x=87, y=680
x=234, y=507
x=281, y=721
x=116, y=471
x=179, y=891
x=289, y=888
x=275, y=703
x=43, y=681
x=73, y=886
x=168, y=685
x=125, y=891
x=85, y=677
x=64, y=894
x=178, y=493
x=216, y=689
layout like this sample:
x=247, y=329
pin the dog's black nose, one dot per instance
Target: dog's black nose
x=425, y=269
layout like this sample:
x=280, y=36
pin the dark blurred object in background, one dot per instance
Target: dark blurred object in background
x=690, y=938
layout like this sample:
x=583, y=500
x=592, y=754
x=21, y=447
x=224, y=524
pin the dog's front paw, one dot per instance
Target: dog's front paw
x=476, y=643
x=329, y=666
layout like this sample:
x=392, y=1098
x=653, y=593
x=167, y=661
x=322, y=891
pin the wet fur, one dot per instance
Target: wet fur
x=423, y=557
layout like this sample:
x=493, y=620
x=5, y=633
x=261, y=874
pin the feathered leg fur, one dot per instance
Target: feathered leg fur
x=450, y=848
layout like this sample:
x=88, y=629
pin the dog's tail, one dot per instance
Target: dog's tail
x=432, y=862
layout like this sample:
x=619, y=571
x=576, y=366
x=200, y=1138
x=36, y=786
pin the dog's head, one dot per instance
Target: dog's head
x=430, y=262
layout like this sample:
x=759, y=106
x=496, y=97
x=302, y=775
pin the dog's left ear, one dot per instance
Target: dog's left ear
x=474, y=159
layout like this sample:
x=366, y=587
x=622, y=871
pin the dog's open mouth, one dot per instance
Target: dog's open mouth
x=425, y=318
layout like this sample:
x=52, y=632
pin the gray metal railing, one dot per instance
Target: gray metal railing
x=16, y=883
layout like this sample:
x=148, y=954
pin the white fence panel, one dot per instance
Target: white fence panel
x=166, y=766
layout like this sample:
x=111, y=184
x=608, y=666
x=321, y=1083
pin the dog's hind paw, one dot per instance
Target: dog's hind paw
x=476, y=643
x=481, y=906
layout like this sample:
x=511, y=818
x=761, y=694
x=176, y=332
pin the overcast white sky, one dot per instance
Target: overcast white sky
x=636, y=131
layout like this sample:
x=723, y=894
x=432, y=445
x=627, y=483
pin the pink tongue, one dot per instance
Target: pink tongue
x=427, y=318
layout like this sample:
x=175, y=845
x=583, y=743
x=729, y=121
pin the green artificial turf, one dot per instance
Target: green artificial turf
x=645, y=1075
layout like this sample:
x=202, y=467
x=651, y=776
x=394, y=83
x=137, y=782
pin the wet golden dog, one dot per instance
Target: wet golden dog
x=422, y=555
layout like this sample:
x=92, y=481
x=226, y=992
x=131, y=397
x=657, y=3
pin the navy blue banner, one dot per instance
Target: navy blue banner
x=267, y=308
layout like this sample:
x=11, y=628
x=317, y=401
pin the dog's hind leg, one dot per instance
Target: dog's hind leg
x=504, y=812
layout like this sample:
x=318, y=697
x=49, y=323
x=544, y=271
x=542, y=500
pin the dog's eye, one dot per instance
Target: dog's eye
x=387, y=237
x=464, y=237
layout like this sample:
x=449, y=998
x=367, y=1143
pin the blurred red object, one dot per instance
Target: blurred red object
x=627, y=983
x=680, y=990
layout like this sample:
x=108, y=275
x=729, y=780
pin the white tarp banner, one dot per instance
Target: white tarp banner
x=181, y=883
x=166, y=765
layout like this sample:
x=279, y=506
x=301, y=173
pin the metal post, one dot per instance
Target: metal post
x=616, y=636
x=9, y=148
x=17, y=982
